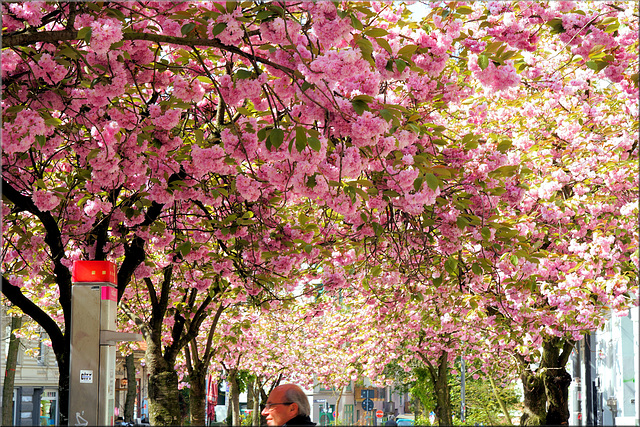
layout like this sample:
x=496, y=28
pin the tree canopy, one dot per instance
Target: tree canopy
x=475, y=167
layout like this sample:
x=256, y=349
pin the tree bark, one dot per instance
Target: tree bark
x=10, y=373
x=439, y=378
x=198, y=394
x=131, y=388
x=557, y=380
x=234, y=397
x=164, y=400
x=535, y=399
x=256, y=402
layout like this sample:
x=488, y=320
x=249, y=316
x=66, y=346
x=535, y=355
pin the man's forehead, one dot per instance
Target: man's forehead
x=275, y=394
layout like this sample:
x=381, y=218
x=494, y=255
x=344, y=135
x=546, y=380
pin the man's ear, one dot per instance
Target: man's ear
x=296, y=410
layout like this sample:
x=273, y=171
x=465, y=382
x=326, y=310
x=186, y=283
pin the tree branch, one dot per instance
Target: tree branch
x=17, y=298
x=29, y=38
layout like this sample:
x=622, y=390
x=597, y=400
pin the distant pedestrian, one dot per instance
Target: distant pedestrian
x=287, y=405
x=391, y=421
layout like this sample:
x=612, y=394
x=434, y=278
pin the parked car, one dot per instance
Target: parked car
x=405, y=420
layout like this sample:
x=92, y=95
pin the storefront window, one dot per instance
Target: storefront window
x=49, y=408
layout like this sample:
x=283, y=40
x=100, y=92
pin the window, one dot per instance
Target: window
x=348, y=414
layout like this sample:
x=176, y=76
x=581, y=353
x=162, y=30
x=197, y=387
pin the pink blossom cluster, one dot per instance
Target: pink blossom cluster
x=20, y=135
x=45, y=200
x=330, y=29
x=495, y=78
x=30, y=13
x=105, y=32
x=233, y=31
x=188, y=90
x=367, y=129
x=344, y=71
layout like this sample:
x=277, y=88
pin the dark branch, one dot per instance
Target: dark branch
x=30, y=38
x=17, y=298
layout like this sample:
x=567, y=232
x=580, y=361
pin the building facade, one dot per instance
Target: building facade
x=605, y=368
x=35, y=391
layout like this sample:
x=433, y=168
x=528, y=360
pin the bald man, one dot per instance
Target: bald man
x=287, y=405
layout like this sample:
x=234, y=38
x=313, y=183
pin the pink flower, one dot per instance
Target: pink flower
x=49, y=70
x=168, y=120
x=367, y=129
x=188, y=90
x=20, y=135
x=105, y=32
x=45, y=200
x=248, y=188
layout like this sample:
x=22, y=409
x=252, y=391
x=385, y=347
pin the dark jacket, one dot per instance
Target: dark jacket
x=299, y=420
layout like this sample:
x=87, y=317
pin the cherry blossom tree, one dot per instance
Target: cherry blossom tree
x=273, y=134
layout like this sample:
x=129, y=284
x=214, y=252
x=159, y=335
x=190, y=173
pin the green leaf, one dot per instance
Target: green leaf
x=218, y=28
x=504, y=145
x=612, y=27
x=53, y=121
x=386, y=114
x=483, y=61
x=486, y=233
x=301, y=139
x=243, y=74
x=477, y=268
x=401, y=65
x=432, y=181
x=356, y=23
x=464, y=10
x=187, y=28
x=462, y=222
x=556, y=26
x=451, y=265
x=376, y=32
x=407, y=50
x=40, y=140
x=376, y=270
x=265, y=15
x=185, y=248
x=384, y=44
x=377, y=228
x=276, y=137
x=314, y=143
x=597, y=66
x=366, y=48
x=84, y=33
x=311, y=181
x=417, y=184
x=359, y=106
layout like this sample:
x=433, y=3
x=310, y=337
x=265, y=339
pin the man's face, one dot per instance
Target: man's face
x=281, y=411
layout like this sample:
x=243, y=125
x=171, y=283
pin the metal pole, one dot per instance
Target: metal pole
x=462, y=390
x=589, y=385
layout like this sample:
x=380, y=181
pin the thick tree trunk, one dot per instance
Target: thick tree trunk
x=131, y=388
x=198, y=394
x=234, y=397
x=556, y=380
x=535, y=400
x=439, y=376
x=164, y=400
x=546, y=391
x=10, y=373
x=556, y=383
